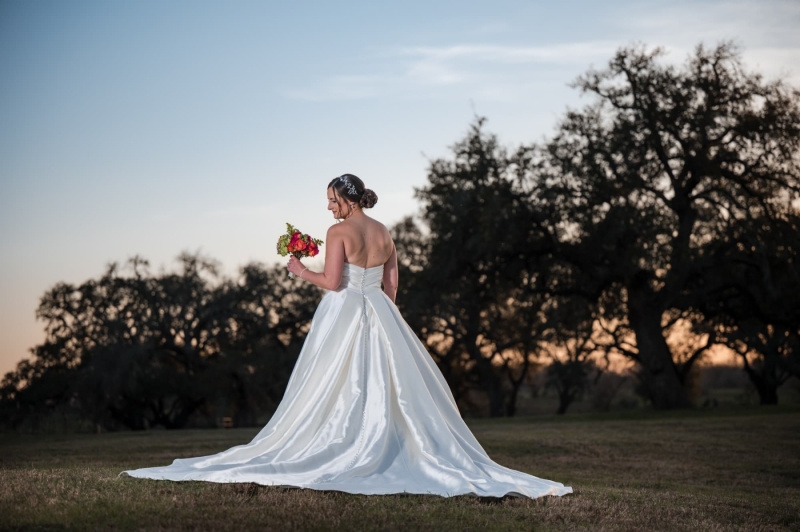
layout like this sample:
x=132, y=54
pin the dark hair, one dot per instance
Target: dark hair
x=352, y=188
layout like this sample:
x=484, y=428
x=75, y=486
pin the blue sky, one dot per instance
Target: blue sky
x=156, y=127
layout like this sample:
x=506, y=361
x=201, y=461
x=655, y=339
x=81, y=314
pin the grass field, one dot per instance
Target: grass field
x=724, y=469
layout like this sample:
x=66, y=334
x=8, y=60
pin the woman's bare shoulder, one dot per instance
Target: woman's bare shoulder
x=378, y=225
x=335, y=230
x=387, y=236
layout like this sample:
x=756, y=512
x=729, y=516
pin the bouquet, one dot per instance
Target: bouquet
x=298, y=244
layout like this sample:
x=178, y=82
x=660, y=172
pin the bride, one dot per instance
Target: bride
x=366, y=410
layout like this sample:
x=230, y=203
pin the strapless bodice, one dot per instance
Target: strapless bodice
x=357, y=278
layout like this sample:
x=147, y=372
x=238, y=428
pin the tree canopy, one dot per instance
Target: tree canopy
x=660, y=220
x=136, y=349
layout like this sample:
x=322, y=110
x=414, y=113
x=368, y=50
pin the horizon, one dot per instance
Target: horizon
x=154, y=129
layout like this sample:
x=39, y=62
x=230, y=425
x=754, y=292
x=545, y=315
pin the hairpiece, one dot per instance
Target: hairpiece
x=351, y=189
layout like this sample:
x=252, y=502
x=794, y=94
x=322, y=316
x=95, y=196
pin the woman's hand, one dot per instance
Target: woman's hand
x=295, y=266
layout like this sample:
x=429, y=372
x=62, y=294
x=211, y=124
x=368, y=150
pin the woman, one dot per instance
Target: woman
x=366, y=410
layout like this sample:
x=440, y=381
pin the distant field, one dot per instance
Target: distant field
x=721, y=469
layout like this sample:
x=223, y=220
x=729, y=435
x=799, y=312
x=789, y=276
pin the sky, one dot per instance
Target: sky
x=153, y=128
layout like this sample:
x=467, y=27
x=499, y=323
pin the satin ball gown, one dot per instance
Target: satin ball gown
x=366, y=411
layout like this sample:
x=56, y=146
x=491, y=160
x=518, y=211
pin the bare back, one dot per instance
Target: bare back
x=367, y=242
x=361, y=241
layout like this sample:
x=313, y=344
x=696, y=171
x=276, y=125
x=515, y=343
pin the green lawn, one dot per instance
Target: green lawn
x=693, y=470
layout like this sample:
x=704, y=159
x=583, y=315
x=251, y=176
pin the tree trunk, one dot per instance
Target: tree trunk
x=516, y=384
x=660, y=375
x=564, y=400
x=768, y=395
x=493, y=389
x=182, y=417
x=766, y=386
x=511, y=400
x=511, y=405
x=489, y=379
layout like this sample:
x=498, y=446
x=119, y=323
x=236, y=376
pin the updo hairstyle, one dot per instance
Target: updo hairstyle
x=350, y=187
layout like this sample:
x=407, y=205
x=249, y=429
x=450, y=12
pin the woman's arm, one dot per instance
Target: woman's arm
x=331, y=277
x=390, y=275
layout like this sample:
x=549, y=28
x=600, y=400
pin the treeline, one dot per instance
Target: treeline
x=659, y=221
x=136, y=349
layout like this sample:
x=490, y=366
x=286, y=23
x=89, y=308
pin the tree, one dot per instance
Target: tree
x=139, y=350
x=478, y=220
x=632, y=188
x=262, y=338
x=570, y=343
x=753, y=301
x=417, y=298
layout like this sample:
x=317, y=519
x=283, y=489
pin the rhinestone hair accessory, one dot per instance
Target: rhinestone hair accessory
x=351, y=189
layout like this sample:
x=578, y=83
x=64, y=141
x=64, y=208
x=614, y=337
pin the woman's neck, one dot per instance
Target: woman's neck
x=355, y=213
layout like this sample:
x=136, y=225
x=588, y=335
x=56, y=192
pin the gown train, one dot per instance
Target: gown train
x=366, y=411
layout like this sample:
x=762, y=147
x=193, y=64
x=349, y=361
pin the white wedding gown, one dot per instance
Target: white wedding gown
x=365, y=411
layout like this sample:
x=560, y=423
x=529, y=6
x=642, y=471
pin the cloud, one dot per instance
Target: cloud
x=762, y=23
x=489, y=53
x=767, y=31
x=490, y=70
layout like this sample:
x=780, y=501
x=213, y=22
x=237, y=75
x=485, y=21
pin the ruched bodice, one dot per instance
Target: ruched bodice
x=360, y=279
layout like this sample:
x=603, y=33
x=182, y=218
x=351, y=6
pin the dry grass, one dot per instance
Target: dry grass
x=734, y=470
